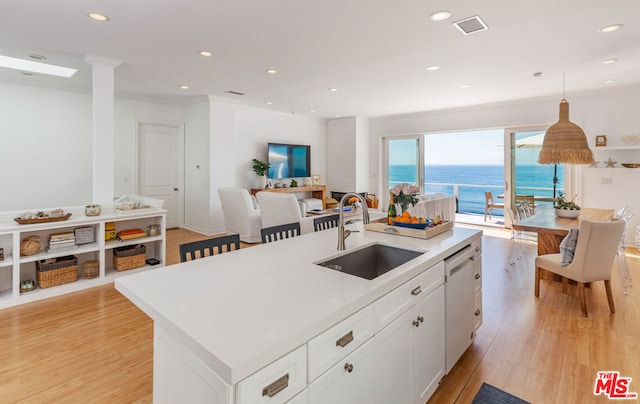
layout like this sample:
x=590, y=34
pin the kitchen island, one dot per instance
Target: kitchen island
x=258, y=324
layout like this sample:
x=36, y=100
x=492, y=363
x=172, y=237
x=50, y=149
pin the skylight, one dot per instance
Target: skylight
x=36, y=67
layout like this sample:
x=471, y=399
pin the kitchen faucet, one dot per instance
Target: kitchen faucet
x=342, y=233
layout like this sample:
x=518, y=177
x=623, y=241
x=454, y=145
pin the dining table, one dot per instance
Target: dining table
x=552, y=229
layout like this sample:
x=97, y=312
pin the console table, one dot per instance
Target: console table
x=317, y=191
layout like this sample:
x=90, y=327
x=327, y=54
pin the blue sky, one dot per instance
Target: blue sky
x=461, y=148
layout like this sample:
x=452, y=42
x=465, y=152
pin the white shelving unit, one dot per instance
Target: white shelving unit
x=16, y=268
x=621, y=154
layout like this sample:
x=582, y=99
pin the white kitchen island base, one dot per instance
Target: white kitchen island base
x=266, y=324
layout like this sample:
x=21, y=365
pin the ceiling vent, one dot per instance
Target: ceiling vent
x=471, y=25
x=235, y=92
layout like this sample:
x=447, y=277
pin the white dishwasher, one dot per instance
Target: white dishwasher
x=460, y=272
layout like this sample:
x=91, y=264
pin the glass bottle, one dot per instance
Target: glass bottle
x=391, y=213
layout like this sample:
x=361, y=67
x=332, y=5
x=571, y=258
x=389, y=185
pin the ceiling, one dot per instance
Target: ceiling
x=373, y=52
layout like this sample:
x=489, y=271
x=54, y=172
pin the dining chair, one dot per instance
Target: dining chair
x=529, y=201
x=596, y=247
x=216, y=245
x=626, y=281
x=279, y=208
x=515, y=238
x=325, y=222
x=490, y=205
x=282, y=231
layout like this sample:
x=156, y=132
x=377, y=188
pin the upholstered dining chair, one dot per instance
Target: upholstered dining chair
x=241, y=215
x=596, y=247
x=205, y=248
x=325, y=222
x=275, y=233
x=626, y=280
x=490, y=205
x=279, y=208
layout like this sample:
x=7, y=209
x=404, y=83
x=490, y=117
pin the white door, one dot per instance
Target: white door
x=160, y=167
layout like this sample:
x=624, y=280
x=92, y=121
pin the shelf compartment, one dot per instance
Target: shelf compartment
x=80, y=249
x=122, y=243
x=7, y=262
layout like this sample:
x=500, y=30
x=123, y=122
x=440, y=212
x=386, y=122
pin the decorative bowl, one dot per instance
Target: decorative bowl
x=567, y=213
x=411, y=225
x=92, y=210
x=630, y=165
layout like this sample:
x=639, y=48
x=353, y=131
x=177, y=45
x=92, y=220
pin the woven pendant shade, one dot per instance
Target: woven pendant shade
x=565, y=142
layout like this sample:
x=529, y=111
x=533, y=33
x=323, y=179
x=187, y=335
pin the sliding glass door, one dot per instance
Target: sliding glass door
x=404, y=162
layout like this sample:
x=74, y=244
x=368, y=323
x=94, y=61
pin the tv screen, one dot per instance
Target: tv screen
x=289, y=160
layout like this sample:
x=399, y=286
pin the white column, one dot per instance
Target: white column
x=103, y=147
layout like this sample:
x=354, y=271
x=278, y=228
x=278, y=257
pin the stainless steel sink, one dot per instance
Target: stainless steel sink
x=372, y=261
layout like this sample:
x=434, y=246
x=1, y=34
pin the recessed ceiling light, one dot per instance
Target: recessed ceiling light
x=205, y=53
x=271, y=71
x=611, y=28
x=98, y=17
x=432, y=68
x=333, y=90
x=269, y=103
x=440, y=15
x=312, y=111
x=465, y=86
x=609, y=81
x=374, y=101
x=36, y=67
x=609, y=61
x=184, y=87
x=337, y=116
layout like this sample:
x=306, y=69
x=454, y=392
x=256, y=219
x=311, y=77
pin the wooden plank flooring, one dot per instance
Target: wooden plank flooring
x=94, y=346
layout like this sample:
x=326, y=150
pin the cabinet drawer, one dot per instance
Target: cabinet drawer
x=277, y=382
x=328, y=348
x=390, y=306
x=477, y=311
x=477, y=247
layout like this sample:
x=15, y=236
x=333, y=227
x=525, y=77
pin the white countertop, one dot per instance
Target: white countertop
x=242, y=310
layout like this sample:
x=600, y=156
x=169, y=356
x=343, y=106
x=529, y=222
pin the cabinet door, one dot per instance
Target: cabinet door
x=392, y=377
x=460, y=311
x=428, y=344
x=348, y=382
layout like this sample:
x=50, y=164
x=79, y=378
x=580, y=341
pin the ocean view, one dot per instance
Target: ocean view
x=473, y=180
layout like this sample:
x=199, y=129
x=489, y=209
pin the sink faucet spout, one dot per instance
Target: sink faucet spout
x=342, y=233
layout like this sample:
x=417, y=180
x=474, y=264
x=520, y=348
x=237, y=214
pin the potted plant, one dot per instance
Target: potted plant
x=564, y=208
x=260, y=168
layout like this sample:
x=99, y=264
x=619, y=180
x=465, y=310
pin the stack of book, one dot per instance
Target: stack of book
x=62, y=241
x=131, y=234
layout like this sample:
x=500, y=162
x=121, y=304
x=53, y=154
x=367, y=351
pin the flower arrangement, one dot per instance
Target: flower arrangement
x=404, y=194
x=562, y=203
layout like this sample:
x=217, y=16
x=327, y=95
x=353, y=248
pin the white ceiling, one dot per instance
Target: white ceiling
x=367, y=49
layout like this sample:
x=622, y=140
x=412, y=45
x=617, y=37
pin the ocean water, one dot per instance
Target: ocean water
x=471, y=181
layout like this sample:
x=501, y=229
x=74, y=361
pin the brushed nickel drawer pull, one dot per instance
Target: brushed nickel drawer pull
x=276, y=387
x=345, y=339
x=421, y=319
x=416, y=291
x=416, y=323
x=477, y=276
x=478, y=312
x=348, y=367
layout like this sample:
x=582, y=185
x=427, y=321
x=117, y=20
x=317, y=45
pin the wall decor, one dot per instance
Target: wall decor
x=601, y=141
x=315, y=179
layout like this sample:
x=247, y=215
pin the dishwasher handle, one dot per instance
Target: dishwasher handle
x=458, y=258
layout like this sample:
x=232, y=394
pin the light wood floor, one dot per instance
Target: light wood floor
x=95, y=346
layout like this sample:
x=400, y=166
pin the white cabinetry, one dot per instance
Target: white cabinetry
x=16, y=268
x=409, y=352
x=463, y=300
x=349, y=381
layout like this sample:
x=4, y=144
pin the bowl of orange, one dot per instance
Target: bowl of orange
x=412, y=222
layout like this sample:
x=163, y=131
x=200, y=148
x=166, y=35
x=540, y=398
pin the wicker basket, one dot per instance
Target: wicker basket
x=63, y=270
x=30, y=245
x=90, y=269
x=129, y=257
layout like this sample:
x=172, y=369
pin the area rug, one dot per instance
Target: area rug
x=493, y=395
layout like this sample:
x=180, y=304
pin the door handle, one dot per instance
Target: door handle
x=175, y=189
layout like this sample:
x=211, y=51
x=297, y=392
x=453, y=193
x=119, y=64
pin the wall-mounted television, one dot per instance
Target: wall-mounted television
x=289, y=160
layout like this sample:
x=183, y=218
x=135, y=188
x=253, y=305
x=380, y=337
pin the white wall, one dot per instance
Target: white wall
x=46, y=140
x=197, y=161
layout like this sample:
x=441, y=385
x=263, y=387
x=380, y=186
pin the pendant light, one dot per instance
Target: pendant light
x=564, y=141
